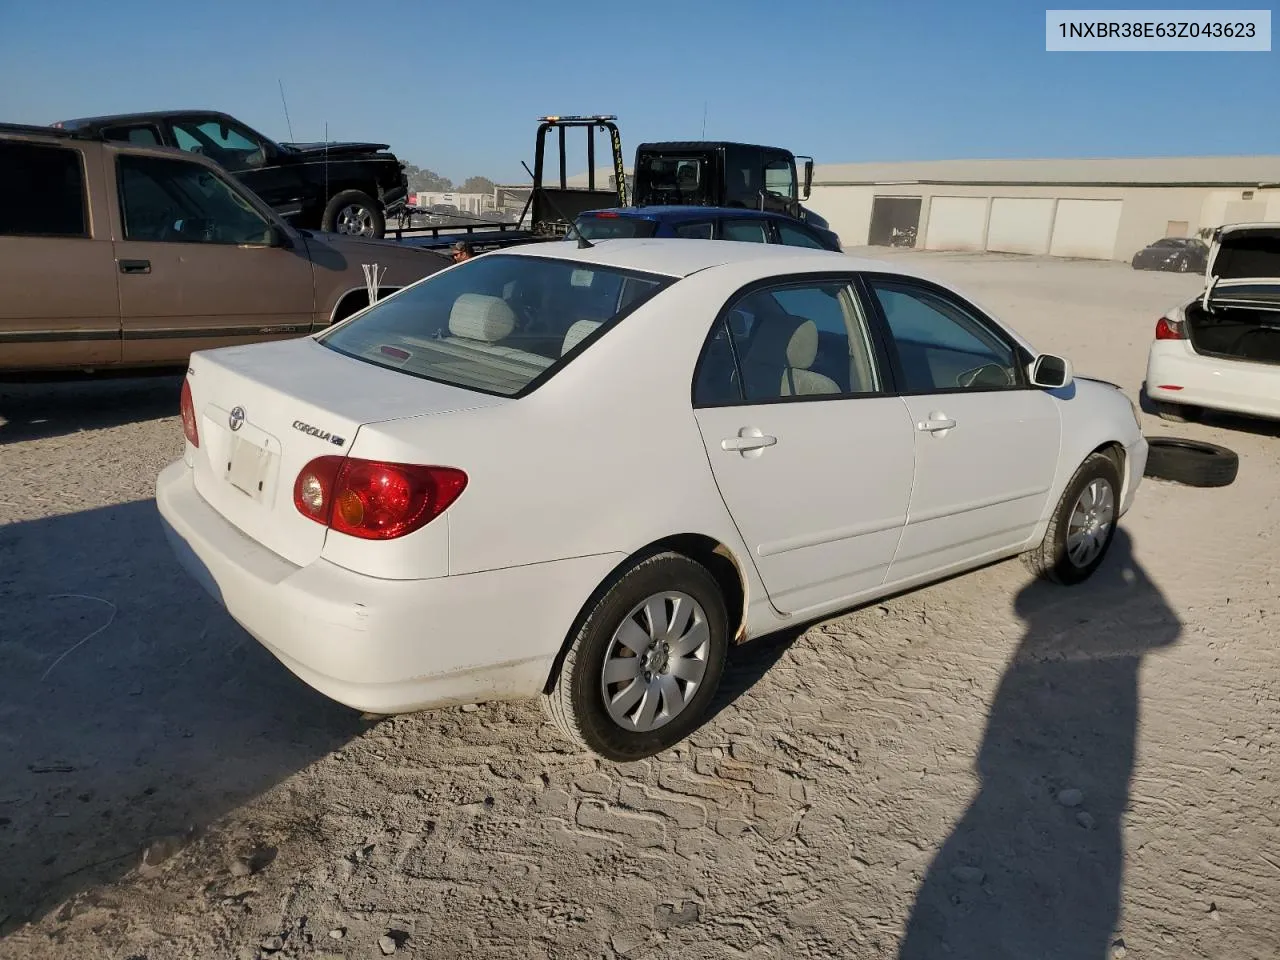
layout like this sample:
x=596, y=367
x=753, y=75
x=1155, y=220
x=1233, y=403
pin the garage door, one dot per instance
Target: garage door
x=956, y=223
x=1020, y=225
x=1086, y=228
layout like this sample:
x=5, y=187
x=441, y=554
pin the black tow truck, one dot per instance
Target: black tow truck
x=687, y=173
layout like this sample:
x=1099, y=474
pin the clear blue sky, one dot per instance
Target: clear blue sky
x=457, y=87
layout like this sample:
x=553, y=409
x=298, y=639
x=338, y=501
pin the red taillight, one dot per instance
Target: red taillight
x=188, y=410
x=375, y=500
x=1167, y=329
x=606, y=215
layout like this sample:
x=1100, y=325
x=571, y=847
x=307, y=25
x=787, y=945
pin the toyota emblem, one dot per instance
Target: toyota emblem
x=236, y=420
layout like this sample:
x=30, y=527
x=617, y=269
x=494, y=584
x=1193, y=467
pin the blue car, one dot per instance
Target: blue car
x=705, y=223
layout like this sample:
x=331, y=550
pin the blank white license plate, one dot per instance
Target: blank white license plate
x=247, y=467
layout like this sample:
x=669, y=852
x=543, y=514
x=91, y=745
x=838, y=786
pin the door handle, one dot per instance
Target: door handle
x=135, y=266
x=749, y=440
x=936, y=423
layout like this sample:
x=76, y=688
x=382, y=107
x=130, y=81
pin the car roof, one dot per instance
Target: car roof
x=673, y=257
x=80, y=122
x=687, y=212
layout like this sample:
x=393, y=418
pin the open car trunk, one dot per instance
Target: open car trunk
x=1238, y=316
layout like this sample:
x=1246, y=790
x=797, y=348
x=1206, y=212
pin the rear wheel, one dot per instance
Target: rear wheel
x=354, y=214
x=1083, y=524
x=645, y=663
x=1178, y=412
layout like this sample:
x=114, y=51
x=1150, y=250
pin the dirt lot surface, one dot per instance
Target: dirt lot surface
x=986, y=768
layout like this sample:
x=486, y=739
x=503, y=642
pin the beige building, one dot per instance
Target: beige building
x=1095, y=208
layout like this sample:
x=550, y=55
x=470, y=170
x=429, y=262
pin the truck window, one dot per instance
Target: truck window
x=669, y=179
x=779, y=179
x=173, y=201
x=225, y=143
x=41, y=191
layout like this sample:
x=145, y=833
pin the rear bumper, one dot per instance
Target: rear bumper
x=1234, y=386
x=383, y=646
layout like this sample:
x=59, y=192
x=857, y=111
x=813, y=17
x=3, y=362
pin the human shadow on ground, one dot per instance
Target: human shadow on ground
x=51, y=407
x=1034, y=867
x=161, y=713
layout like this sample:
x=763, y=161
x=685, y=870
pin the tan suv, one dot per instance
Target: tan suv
x=115, y=256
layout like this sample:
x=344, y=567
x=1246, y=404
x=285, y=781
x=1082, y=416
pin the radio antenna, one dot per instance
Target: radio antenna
x=288, y=123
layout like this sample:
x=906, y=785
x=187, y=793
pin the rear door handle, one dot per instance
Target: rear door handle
x=135, y=266
x=935, y=424
x=749, y=439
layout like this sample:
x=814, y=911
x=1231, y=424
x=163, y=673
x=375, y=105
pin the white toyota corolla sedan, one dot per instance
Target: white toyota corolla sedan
x=581, y=474
x=1221, y=351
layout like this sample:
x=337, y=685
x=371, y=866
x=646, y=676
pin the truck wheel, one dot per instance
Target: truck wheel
x=355, y=214
x=1083, y=524
x=645, y=663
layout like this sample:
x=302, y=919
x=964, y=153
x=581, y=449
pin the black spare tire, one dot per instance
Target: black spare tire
x=1192, y=462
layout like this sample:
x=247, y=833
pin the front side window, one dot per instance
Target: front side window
x=173, y=201
x=41, y=191
x=746, y=231
x=496, y=323
x=797, y=237
x=941, y=344
x=144, y=135
x=801, y=339
x=780, y=179
x=228, y=144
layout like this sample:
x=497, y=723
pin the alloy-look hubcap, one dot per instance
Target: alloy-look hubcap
x=1090, y=523
x=656, y=661
x=355, y=221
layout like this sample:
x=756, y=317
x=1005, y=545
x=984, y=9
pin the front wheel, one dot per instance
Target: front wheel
x=354, y=214
x=1083, y=524
x=645, y=663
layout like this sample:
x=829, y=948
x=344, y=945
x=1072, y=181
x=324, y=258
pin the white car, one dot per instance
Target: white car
x=583, y=473
x=1221, y=351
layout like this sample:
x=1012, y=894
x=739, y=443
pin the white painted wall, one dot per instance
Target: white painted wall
x=1086, y=228
x=1020, y=224
x=956, y=223
x=847, y=209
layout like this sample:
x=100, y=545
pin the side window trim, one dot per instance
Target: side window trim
x=871, y=304
x=888, y=375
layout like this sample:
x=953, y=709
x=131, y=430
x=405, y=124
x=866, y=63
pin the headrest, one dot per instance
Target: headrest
x=479, y=317
x=577, y=333
x=802, y=348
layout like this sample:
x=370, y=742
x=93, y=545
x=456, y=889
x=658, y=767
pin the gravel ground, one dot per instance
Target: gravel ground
x=986, y=768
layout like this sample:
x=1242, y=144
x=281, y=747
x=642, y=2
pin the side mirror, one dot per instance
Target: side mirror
x=808, y=178
x=1049, y=372
x=276, y=237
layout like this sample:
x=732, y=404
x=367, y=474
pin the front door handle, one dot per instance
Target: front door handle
x=135, y=266
x=750, y=441
x=937, y=423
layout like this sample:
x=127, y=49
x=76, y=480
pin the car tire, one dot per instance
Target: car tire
x=583, y=706
x=1191, y=462
x=1059, y=556
x=1178, y=412
x=352, y=209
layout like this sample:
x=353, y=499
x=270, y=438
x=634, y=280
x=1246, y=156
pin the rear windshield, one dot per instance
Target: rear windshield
x=499, y=324
x=596, y=227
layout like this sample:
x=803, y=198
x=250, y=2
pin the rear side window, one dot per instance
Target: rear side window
x=41, y=191
x=145, y=136
x=694, y=231
x=595, y=227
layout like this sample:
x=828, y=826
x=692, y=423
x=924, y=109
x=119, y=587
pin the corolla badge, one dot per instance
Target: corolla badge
x=236, y=420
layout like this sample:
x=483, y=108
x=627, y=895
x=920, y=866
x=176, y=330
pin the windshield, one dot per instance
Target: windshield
x=596, y=226
x=666, y=179
x=497, y=323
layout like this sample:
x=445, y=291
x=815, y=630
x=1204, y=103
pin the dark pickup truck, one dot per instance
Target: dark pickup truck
x=348, y=188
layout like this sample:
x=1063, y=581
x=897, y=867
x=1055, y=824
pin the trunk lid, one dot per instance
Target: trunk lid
x=263, y=411
x=1244, y=265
